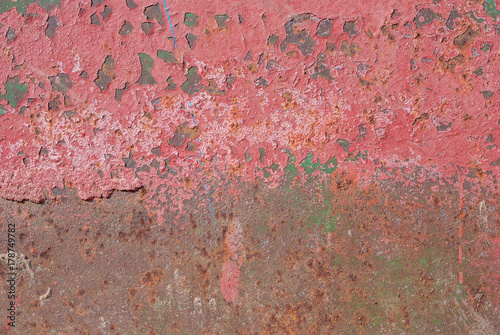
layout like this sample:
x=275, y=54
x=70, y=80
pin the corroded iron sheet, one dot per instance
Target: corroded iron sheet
x=254, y=167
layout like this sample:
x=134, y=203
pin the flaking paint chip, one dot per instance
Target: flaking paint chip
x=190, y=19
x=126, y=28
x=221, y=20
x=52, y=24
x=154, y=12
x=94, y=19
x=106, y=74
x=146, y=27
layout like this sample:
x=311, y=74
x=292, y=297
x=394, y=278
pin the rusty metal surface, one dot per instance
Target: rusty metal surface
x=251, y=168
x=274, y=269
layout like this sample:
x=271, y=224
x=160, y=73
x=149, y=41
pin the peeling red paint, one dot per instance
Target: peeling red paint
x=405, y=109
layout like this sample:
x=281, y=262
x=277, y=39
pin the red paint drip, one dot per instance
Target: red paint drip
x=229, y=281
x=232, y=263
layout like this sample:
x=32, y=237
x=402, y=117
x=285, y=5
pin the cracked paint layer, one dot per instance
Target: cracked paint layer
x=399, y=86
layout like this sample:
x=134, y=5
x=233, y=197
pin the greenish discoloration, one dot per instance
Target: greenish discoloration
x=192, y=84
x=267, y=170
x=22, y=5
x=450, y=23
x=190, y=19
x=479, y=71
x=2, y=110
x=327, y=216
x=146, y=65
x=325, y=220
x=267, y=174
x=309, y=166
x=346, y=145
x=168, y=57
x=171, y=84
x=14, y=92
x=272, y=40
x=329, y=166
x=415, y=280
x=490, y=8
x=290, y=169
x=473, y=16
x=262, y=152
x=486, y=47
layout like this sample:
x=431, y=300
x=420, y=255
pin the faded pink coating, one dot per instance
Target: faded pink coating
x=232, y=262
x=247, y=117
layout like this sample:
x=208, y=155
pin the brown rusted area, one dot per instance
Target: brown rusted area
x=465, y=38
x=152, y=278
x=182, y=132
x=384, y=261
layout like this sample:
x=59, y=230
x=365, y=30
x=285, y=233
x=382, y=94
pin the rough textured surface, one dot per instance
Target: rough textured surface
x=349, y=151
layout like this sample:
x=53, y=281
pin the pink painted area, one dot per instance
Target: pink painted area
x=232, y=262
x=229, y=281
x=401, y=107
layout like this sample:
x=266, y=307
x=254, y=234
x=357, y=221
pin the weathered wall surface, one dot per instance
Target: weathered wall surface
x=296, y=167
